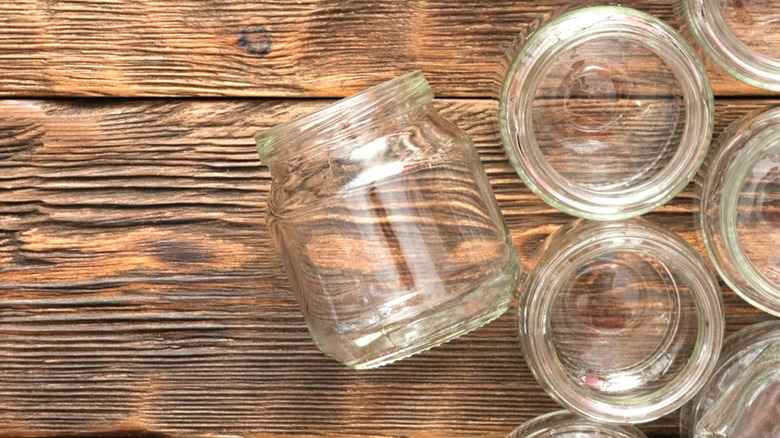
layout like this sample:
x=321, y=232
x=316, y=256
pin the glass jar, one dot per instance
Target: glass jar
x=620, y=321
x=742, y=398
x=605, y=111
x=564, y=424
x=741, y=36
x=386, y=224
x=739, y=199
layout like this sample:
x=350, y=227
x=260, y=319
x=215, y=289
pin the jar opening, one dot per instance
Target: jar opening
x=643, y=357
x=741, y=37
x=740, y=197
x=565, y=423
x=343, y=119
x=615, y=89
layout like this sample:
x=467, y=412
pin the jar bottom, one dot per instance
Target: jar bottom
x=616, y=320
x=435, y=329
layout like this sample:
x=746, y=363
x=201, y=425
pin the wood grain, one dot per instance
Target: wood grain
x=140, y=291
x=265, y=47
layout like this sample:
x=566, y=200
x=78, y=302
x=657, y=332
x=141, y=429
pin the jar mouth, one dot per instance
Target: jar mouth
x=738, y=352
x=725, y=35
x=342, y=120
x=595, y=161
x=604, y=320
x=741, y=189
x=563, y=423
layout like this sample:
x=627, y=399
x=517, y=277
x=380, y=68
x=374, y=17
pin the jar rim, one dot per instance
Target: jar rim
x=727, y=50
x=574, y=423
x=393, y=96
x=569, y=247
x=519, y=140
x=739, y=147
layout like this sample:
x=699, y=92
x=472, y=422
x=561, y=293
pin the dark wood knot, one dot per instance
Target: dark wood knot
x=255, y=40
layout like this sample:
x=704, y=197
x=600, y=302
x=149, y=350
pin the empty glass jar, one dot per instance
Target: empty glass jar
x=564, y=424
x=742, y=398
x=386, y=224
x=741, y=36
x=605, y=111
x=740, y=202
x=620, y=321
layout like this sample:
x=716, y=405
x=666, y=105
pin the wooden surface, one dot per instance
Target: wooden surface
x=139, y=289
x=264, y=48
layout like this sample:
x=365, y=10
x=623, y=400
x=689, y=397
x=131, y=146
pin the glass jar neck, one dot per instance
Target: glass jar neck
x=339, y=128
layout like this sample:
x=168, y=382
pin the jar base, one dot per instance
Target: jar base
x=452, y=333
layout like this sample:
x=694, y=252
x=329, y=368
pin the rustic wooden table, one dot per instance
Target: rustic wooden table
x=139, y=289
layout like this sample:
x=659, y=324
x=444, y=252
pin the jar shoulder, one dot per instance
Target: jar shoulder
x=429, y=145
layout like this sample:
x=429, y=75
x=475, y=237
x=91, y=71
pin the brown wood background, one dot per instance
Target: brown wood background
x=138, y=289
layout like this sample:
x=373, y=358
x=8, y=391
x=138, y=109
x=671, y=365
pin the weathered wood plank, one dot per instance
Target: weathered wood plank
x=264, y=47
x=139, y=291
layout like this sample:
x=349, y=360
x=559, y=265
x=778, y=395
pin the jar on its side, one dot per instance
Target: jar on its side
x=740, y=197
x=605, y=112
x=622, y=321
x=564, y=424
x=387, y=226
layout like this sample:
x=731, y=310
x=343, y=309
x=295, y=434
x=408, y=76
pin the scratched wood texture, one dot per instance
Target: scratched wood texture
x=140, y=292
x=264, y=48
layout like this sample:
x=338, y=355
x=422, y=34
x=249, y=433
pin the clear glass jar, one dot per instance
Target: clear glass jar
x=741, y=36
x=620, y=321
x=386, y=224
x=740, y=198
x=742, y=398
x=564, y=424
x=605, y=111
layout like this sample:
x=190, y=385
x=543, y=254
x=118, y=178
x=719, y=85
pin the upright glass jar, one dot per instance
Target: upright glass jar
x=739, y=216
x=386, y=224
x=741, y=36
x=564, y=424
x=605, y=111
x=620, y=321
